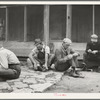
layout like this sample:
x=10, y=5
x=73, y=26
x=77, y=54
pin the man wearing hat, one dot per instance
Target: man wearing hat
x=65, y=58
x=92, y=52
x=38, y=58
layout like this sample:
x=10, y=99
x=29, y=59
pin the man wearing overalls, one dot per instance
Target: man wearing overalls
x=38, y=58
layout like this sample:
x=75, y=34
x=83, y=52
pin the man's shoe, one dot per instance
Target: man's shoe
x=77, y=72
x=74, y=75
x=71, y=72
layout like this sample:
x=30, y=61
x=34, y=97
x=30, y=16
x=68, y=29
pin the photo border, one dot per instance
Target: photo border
x=49, y=96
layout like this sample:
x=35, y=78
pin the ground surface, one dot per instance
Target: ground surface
x=89, y=84
x=30, y=81
x=51, y=82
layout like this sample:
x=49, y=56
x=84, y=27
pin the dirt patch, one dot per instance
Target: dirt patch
x=89, y=84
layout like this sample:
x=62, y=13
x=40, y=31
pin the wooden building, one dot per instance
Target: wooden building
x=21, y=24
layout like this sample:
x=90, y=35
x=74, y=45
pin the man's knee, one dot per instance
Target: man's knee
x=17, y=71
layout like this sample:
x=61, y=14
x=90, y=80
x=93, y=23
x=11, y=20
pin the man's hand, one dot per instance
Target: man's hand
x=90, y=51
x=70, y=56
x=52, y=66
x=95, y=51
x=75, y=54
x=45, y=66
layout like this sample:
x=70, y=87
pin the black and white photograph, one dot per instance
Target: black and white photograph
x=50, y=48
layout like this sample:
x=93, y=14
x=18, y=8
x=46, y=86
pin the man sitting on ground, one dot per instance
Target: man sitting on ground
x=92, y=53
x=65, y=58
x=38, y=58
x=9, y=64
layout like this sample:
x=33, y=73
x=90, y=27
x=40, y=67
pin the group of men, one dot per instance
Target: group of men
x=64, y=59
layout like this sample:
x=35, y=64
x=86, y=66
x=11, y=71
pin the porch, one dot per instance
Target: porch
x=22, y=49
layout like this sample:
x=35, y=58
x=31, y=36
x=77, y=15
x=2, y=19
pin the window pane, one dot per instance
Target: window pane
x=57, y=22
x=2, y=23
x=35, y=22
x=16, y=23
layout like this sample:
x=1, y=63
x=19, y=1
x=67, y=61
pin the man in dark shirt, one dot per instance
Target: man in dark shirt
x=92, y=52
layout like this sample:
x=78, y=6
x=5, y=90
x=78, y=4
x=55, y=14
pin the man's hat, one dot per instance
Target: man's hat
x=94, y=36
x=37, y=41
x=67, y=40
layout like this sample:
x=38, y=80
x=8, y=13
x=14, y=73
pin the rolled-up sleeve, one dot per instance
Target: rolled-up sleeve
x=47, y=50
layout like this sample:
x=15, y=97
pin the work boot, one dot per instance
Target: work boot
x=76, y=73
x=71, y=72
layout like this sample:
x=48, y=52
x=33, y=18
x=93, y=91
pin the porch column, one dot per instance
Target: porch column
x=25, y=23
x=68, y=21
x=93, y=25
x=46, y=24
x=6, y=32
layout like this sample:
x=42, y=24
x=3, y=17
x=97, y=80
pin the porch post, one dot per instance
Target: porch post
x=6, y=32
x=93, y=25
x=46, y=24
x=68, y=21
x=25, y=23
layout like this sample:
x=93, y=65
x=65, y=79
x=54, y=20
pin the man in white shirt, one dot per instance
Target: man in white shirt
x=9, y=64
x=38, y=58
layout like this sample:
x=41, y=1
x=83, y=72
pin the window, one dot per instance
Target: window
x=35, y=22
x=81, y=23
x=57, y=22
x=16, y=23
x=2, y=23
x=97, y=20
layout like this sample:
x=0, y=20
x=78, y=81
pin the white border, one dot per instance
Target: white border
x=50, y=95
x=52, y=2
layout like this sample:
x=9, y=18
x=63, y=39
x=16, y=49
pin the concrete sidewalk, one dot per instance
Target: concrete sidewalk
x=30, y=81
